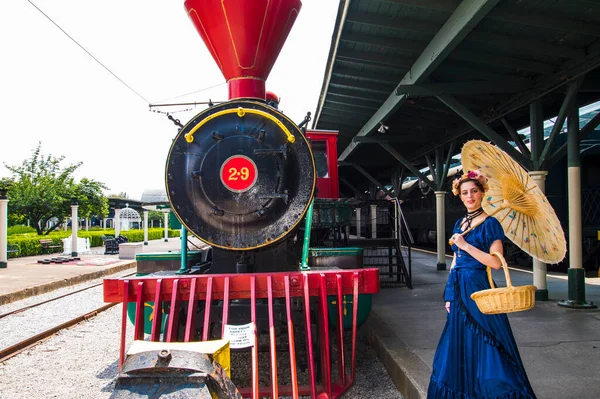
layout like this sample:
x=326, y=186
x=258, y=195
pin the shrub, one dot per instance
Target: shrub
x=12, y=230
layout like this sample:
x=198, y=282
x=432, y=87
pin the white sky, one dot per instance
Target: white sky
x=52, y=91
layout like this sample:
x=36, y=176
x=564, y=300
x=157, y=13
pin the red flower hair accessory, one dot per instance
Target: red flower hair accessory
x=475, y=175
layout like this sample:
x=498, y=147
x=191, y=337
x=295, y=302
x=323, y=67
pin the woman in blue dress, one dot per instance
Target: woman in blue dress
x=477, y=356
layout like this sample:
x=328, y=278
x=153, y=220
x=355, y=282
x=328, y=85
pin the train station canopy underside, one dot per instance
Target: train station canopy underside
x=408, y=82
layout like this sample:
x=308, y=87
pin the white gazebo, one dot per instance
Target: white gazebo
x=127, y=217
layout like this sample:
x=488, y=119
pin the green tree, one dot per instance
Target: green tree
x=42, y=189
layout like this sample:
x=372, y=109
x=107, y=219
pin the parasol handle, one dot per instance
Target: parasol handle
x=467, y=231
x=504, y=266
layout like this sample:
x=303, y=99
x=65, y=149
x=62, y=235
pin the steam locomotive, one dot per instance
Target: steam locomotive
x=243, y=178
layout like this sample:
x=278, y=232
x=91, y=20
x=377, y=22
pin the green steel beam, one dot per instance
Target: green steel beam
x=484, y=129
x=334, y=109
x=432, y=168
x=463, y=20
x=409, y=166
x=466, y=88
x=347, y=183
x=447, y=163
x=536, y=121
x=516, y=138
x=572, y=88
x=372, y=179
x=562, y=151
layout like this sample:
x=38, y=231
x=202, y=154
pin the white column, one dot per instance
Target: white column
x=66, y=223
x=145, y=226
x=540, y=268
x=358, y=222
x=373, y=221
x=87, y=224
x=117, y=222
x=3, y=231
x=440, y=223
x=166, y=226
x=74, y=227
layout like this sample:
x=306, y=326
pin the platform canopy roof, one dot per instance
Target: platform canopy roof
x=407, y=82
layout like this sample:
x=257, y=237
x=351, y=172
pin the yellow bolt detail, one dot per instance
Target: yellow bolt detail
x=241, y=112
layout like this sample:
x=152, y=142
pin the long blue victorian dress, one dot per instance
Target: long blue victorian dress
x=477, y=356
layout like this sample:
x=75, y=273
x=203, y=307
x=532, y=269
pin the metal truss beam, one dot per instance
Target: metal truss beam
x=347, y=183
x=562, y=151
x=409, y=166
x=464, y=19
x=357, y=93
x=337, y=99
x=381, y=139
x=572, y=88
x=516, y=138
x=328, y=108
x=484, y=129
x=372, y=179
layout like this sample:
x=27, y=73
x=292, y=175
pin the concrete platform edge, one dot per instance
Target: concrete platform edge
x=55, y=285
x=407, y=371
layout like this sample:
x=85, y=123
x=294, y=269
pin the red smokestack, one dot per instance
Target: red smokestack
x=244, y=37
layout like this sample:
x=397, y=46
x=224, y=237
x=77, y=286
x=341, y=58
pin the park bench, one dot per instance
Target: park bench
x=49, y=245
x=12, y=248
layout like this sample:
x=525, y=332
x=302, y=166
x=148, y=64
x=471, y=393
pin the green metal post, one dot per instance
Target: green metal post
x=309, y=216
x=184, y=267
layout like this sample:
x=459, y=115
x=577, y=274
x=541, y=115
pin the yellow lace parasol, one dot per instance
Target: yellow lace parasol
x=517, y=202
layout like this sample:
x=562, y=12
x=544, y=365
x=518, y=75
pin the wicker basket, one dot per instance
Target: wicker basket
x=504, y=300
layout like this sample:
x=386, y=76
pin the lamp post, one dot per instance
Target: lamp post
x=3, y=227
x=74, y=226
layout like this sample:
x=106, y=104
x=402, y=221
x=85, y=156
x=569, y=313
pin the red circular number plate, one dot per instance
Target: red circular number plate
x=238, y=173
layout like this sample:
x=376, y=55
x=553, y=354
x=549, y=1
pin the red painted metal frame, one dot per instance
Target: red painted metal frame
x=328, y=187
x=189, y=290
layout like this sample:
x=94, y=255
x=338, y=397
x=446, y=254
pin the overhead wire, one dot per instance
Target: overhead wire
x=90, y=54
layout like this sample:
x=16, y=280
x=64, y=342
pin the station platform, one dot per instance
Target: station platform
x=25, y=277
x=560, y=347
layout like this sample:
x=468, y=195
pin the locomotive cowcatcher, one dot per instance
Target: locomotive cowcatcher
x=241, y=177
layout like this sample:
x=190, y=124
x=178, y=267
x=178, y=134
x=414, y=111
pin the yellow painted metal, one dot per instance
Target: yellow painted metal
x=217, y=349
x=241, y=112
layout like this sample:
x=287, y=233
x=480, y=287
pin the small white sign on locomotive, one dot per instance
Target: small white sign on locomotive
x=241, y=336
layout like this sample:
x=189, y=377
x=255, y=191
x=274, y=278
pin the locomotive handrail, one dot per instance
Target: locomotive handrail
x=240, y=111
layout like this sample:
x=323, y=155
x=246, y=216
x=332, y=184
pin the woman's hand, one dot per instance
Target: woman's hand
x=448, y=307
x=460, y=241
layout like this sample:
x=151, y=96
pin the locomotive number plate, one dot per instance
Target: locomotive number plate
x=238, y=173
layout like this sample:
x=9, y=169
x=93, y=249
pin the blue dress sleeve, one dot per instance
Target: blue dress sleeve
x=493, y=232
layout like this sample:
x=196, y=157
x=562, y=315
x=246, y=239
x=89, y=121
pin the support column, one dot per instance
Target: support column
x=145, y=226
x=576, y=271
x=358, y=222
x=87, y=224
x=440, y=219
x=3, y=229
x=117, y=222
x=74, y=227
x=540, y=269
x=373, y=221
x=166, y=226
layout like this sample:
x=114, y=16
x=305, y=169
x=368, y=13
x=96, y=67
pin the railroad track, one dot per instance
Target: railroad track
x=19, y=347
x=30, y=342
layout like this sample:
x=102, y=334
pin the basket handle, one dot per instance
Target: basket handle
x=504, y=266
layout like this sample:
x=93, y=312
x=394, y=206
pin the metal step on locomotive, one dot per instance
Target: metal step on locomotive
x=253, y=318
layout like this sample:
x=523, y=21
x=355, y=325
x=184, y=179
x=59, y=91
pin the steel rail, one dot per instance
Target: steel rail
x=53, y=299
x=19, y=347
